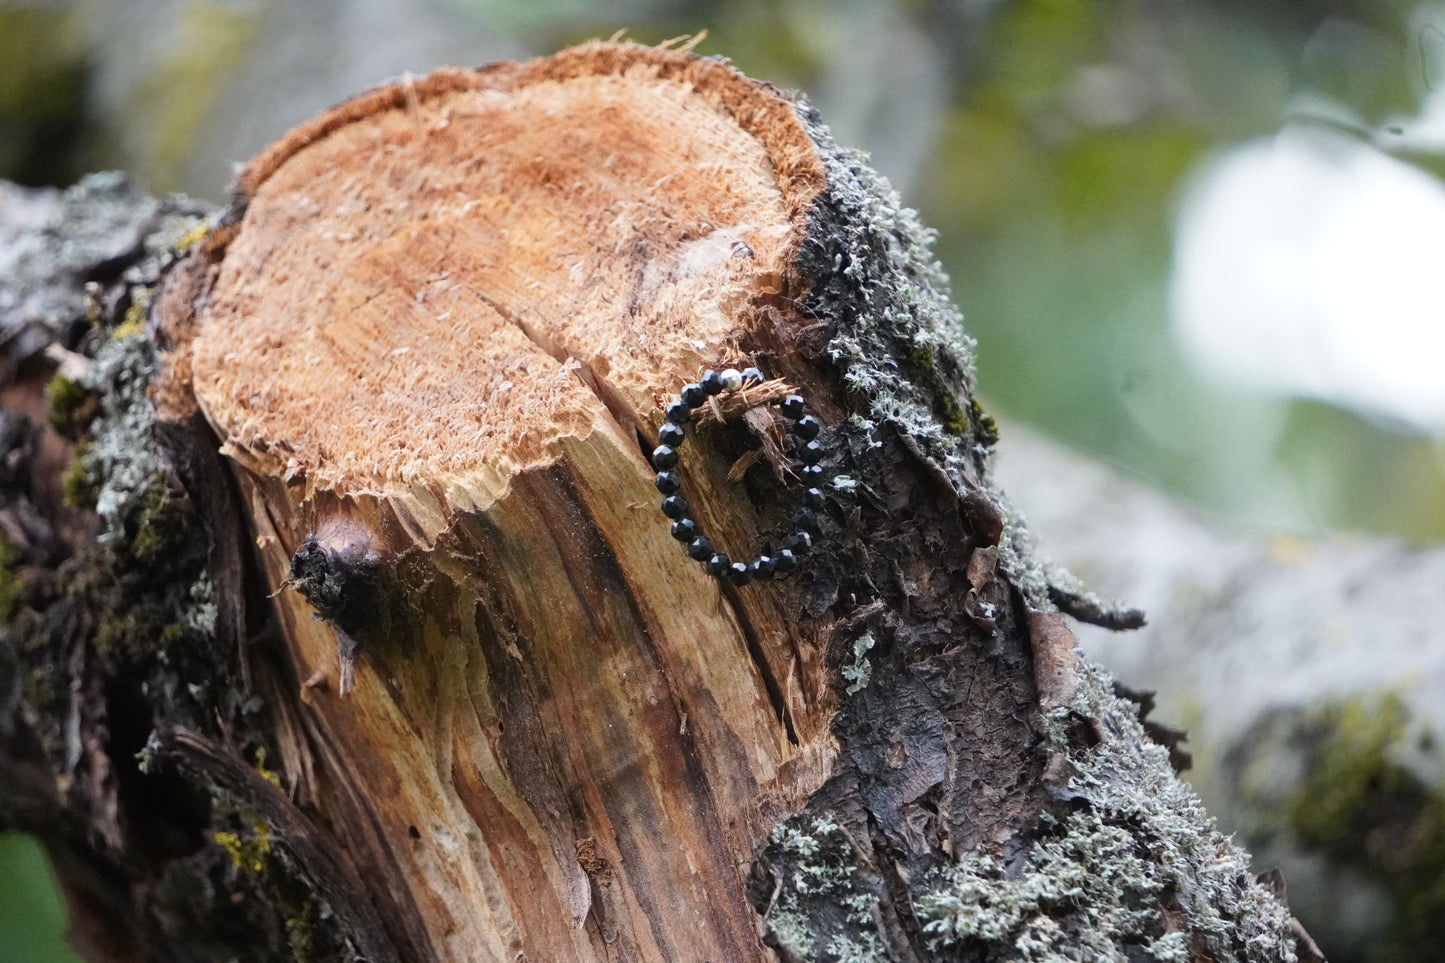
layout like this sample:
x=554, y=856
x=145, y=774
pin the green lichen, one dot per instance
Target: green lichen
x=1360, y=807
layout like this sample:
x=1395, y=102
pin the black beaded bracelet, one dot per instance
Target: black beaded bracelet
x=674, y=505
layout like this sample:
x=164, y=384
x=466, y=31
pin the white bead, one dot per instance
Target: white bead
x=731, y=378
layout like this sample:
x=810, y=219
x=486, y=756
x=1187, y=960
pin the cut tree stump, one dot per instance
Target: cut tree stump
x=502, y=714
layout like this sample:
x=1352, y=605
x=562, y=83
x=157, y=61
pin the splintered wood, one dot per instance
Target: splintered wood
x=439, y=339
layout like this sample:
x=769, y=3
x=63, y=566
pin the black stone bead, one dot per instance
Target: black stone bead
x=805, y=521
x=739, y=573
x=785, y=561
x=810, y=454
x=799, y=543
x=700, y=548
x=719, y=564
x=813, y=498
x=684, y=530
x=671, y=434
x=668, y=482
x=808, y=427
x=678, y=412
x=753, y=376
x=693, y=394
x=763, y=567
x=711, y=382
x=812, y=474
x=675, y=506
x=792, y=406
x=664, y=457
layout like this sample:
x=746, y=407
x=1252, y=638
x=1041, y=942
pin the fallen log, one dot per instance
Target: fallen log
x=485, y=701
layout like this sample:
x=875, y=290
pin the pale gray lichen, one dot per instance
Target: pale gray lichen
x=900, y=341
x=820, y=866
x=156, y=588
x=1135, y=863
x=123, y=458
x=895, y=335
x=858, y=672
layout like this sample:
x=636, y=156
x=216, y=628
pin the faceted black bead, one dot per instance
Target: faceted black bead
x=719, y=564
x=739, y=573
x=693, y=394
x=671, y=434
x=700, y=548
x=806, y=520
x=785, y=561
x=675, y=506
x=678, y=412
x=792, y=406
x=808, y=427
x=753, y=376
x=684, y=530
x=799, y=543
x=812, y=474
x=813, y=498
x=763, y=567
x=664, y=457
x=711, y=382
x=668, y=482
x=810, y=454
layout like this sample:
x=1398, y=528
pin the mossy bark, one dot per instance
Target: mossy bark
x=930, y=773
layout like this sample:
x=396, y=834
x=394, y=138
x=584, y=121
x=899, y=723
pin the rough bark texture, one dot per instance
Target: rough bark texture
x=412, y=667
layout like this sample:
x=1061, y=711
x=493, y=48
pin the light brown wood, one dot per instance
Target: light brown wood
x=441, y=337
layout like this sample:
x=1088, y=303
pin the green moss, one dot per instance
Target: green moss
x=10, y=584
x=70, y=407
x=1361, y=808
x=301, y=934
x=78, y=483
x=987, y=427
x=155, y=528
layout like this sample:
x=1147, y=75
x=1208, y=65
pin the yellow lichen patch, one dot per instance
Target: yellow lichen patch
x=247, y=852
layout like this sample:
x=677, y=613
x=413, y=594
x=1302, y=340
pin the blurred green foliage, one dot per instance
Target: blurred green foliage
x=42, y=93
x=29, y=907
x=1360, y=808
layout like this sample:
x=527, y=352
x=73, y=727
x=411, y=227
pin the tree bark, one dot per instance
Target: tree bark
x=368, y=570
